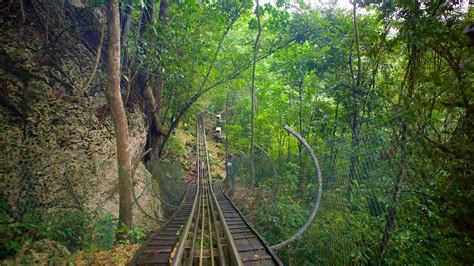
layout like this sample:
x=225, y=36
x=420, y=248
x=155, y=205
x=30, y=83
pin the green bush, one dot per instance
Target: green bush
x=12, y=232
x=174, y=148
x=105, y=227
x=74, y=229
x=132, y=235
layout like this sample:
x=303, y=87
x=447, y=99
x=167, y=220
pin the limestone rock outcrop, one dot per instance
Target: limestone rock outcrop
x=58, y=152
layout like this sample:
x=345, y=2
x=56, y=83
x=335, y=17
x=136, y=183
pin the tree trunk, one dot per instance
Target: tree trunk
x=117, y=111
x=288, y=150
x=164, y=7
x=356, y=98
x=356, y=32
x=155, y=97
x=301, y=176
x=390, y=217
x=334, y=150
x=300, y=119
x=252, y=89
x=126, y=19
x=154, y=113
x=153, y=94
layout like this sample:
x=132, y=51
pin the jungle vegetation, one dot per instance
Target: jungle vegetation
x=382, y=90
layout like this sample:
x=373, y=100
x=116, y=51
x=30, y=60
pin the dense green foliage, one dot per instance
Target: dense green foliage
x=385, y=98
x=75, y=229
x=408, y=106
x=383, y=93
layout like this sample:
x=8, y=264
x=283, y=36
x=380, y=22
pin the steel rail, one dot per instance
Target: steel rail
x=196, y=226
x=265, y=244
x=204, y=216
x=232, y=247
x=182, y=241
x=211, y=246
x=205, y=179
x=205, y=236
x=214, y=206
x=205, y=206
x=141, y=250
x=217, y=233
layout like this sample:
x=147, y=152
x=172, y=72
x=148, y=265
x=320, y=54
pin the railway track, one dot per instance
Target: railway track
x=252, y=248
x=207, y=229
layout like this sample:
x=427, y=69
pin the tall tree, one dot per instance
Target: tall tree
x=154, y=85
x=117, y=111
x=402, y=164
x=356, y=91
x=252, y=89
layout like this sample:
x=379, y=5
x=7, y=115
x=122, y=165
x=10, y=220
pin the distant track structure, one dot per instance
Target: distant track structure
x=207, y=229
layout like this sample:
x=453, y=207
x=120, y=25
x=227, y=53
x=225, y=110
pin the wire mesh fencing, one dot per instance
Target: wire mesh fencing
x=357, y=184
x=168, y=176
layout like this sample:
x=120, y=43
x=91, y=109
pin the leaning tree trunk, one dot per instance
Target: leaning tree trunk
x=114, y=100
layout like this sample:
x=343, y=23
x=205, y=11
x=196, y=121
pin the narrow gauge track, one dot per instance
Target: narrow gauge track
x=207, y=229
x=253, y=249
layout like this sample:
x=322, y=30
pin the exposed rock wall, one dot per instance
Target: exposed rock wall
x=58, y=153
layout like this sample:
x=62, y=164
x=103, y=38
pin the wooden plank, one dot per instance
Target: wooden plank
x=250, y=248
x=153, y=259
x=256, y=258
x=240, y=237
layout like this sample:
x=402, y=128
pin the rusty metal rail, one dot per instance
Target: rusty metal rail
x=207, y=229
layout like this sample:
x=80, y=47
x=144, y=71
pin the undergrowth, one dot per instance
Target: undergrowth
x=75, y=229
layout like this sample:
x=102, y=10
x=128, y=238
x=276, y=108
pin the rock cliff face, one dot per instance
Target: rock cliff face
x=58, y=152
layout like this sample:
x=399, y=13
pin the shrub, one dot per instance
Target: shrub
x=72, y=228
